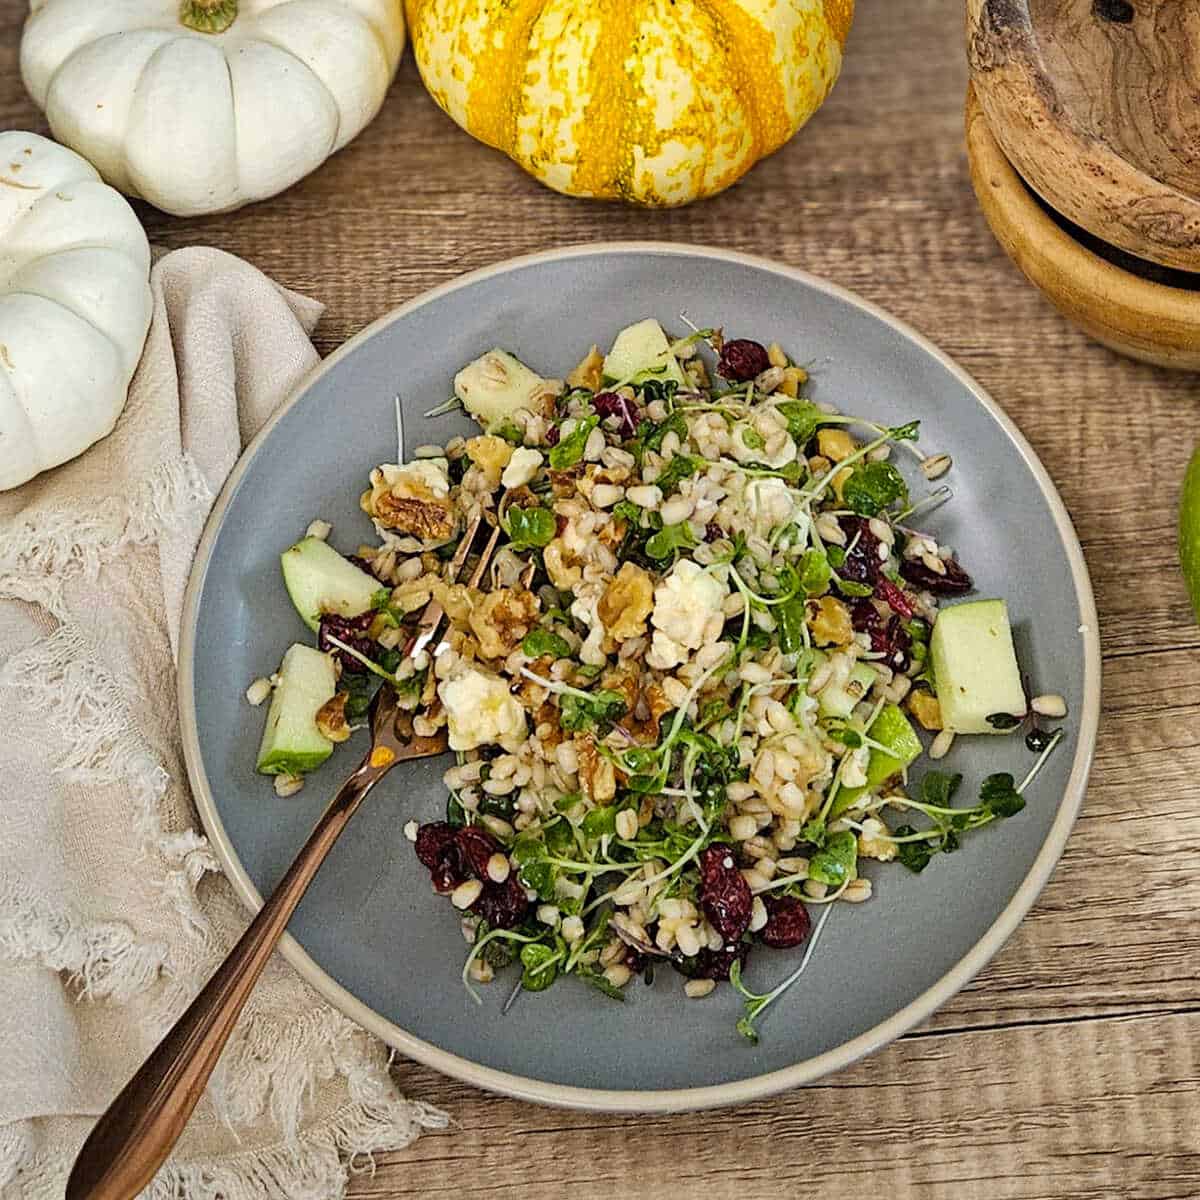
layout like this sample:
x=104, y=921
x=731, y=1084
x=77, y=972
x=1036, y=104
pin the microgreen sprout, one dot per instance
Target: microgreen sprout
x=371, y=666
x=447, y=406
x=754, y=1003
x=925, y=505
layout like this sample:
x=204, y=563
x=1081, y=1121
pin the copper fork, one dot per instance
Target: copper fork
x=134, y=1137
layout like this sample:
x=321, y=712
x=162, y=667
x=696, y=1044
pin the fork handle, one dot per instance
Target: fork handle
x=134, y=1137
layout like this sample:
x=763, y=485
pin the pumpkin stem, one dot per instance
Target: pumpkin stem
x=208, y=16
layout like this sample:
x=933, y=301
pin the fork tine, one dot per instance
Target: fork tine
x=431, y=617
x=415, y=746
x=484, y=558
x=464, y=546
x=383, y=711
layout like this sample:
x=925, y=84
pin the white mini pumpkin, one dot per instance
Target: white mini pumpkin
x=74, y=305
x=207, y=105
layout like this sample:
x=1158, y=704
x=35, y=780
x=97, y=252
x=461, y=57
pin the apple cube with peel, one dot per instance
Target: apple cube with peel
x=292, y=744
x=319, y=580
x=893, y=730
x=642, y=352
x=976, y=667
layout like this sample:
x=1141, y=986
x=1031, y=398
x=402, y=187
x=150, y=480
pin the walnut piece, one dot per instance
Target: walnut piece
x=331, y=718
x=502, y=618
x=589, y=373
x=829, y=620
x=430, y=520
x=490, y=454
x=596, y=775
x=646, y=730
x=627, y=602
x=456, y=598
x=925, y=707
x=562, y=565
x=835, y=444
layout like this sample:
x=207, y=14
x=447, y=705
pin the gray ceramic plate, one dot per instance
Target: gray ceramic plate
x=373, y=938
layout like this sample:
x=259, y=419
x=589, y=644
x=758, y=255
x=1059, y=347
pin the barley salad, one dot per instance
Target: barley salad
x=683, y=739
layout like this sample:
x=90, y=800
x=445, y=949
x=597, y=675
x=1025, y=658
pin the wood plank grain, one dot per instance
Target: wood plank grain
x=1068, y=1068
x=1090, y=1110
x=1115, y=931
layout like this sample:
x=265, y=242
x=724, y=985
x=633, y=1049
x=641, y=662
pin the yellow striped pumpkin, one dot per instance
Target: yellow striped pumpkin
x=657, y=102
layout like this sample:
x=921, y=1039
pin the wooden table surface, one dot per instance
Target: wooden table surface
x=1070, y=1067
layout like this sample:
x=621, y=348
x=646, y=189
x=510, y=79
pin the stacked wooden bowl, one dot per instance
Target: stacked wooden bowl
x=1083, y=132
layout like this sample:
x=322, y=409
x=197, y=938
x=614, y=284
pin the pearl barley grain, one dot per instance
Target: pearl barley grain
x=645, y=496
x=594, y=446
x=935, y=466
x=1049, y=705
x=288, y=785
x=742, y=828
x=605, y=495
x=258, y=691
x=677, y=509
x=466, y=894
x=688, y=940
x=940, y=746
x=627, y=824
x=857, y=891
x=618, y=974
x=697, y=989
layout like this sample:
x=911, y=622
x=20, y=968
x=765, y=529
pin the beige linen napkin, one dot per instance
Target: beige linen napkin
x=112, y=911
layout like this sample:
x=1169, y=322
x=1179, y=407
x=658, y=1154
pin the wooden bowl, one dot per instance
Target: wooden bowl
x=1149, y=319
x=1097, y=104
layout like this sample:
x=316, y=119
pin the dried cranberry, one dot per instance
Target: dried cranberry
x=895, y=645
x=552, y=436
x=363, y=565
x=788, y=923
x=712, y=531
x=502, y=905
x=955, y=582
x=635, y=960
x=742, y=359
x=865, y=617
x=714, y=964
x=862, y=564
x=432, y=838
x=352, y=631
x=611, y=404
x=477, y=846
x=900, y=603
x=439, y=849
x=888, y=635
x=724, y=894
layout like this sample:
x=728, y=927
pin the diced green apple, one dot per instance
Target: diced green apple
x=496, y=386
x=642, y=352
x=976, y=667
x=893, y=730
x=291, y=743
x=319, y=580
x=839, y=700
